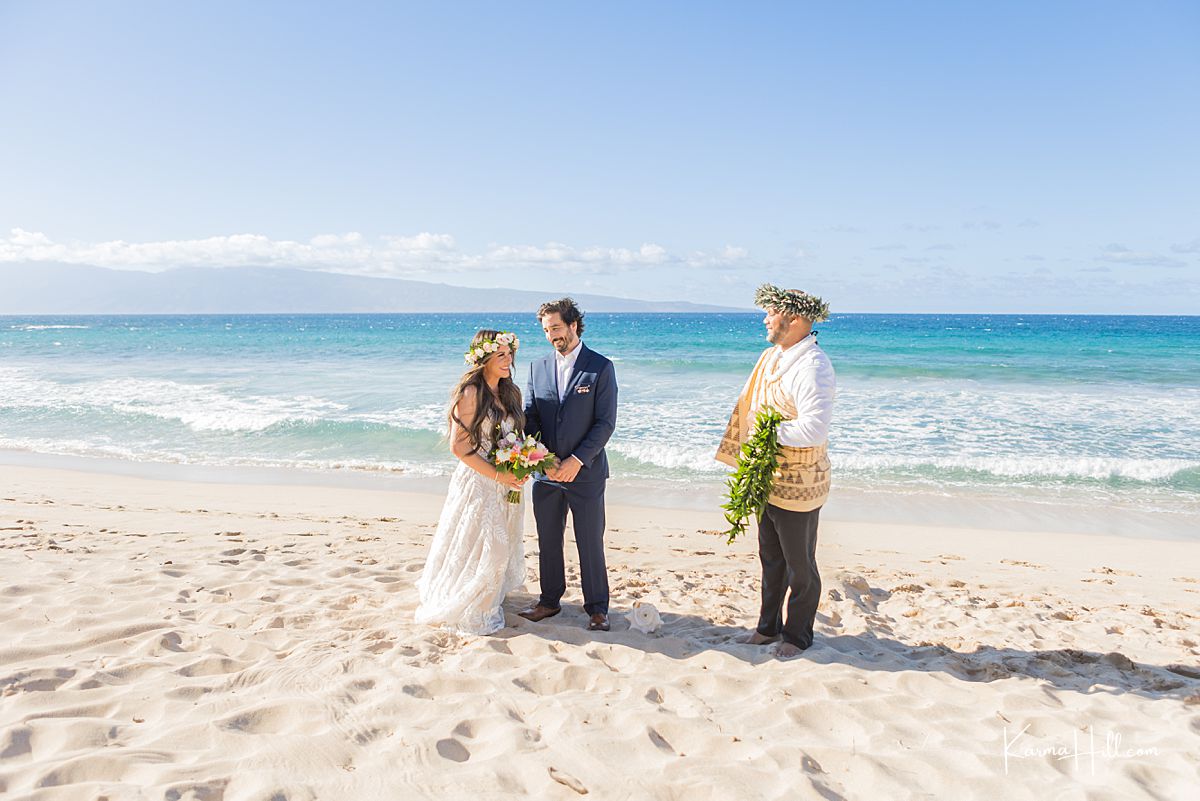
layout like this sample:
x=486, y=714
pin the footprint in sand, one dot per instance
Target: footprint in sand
x=274, y=718
x=172, y=641
x=567, y=780
x=453, y=750
x=210, y=666
x=1022, y=563
x=204, y=791
x=37, y=680
x=17, y=743
x=660, y=742
x=380, y=647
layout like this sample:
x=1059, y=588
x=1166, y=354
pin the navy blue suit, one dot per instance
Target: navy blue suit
x=578, y=426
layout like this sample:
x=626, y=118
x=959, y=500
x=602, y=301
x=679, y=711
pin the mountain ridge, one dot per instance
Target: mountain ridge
x=57, y=288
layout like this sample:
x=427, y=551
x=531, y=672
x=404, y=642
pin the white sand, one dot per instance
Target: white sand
x=172, y=640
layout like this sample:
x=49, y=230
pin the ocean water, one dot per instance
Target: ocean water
x=1089, y=411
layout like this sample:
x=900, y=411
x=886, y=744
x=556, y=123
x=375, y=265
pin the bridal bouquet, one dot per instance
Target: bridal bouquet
x=521, y=456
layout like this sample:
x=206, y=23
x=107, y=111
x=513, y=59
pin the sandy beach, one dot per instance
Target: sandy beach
x=185, y=640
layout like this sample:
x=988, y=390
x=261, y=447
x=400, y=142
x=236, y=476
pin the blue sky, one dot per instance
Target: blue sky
x=889, y=156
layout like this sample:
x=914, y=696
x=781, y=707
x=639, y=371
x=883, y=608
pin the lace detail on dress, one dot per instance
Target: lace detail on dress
x=477, y=555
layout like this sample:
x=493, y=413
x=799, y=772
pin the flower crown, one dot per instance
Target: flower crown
x=792, y=302
x=484, y=348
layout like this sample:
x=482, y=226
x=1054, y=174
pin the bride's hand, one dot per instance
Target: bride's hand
x=510, y=481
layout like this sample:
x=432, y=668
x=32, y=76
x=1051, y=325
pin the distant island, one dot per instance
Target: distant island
x=55, y=288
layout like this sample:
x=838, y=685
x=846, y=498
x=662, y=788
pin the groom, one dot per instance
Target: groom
x=571, y=399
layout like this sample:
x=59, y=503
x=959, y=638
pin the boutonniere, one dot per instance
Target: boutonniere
x=582, y=389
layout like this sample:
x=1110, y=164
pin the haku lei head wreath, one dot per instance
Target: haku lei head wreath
x=486, y=347
x=792, y=302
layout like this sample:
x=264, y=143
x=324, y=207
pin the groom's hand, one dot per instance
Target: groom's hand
x=568, y=469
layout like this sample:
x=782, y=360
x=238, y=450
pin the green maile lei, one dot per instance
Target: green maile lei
x=749, y=486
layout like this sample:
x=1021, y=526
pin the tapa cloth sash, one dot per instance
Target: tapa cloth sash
x=802, y=479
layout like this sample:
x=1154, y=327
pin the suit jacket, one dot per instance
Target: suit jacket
x=582, y=422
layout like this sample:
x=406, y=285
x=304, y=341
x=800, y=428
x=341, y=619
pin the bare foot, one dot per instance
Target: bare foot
x=754, y=638
x=785, y=650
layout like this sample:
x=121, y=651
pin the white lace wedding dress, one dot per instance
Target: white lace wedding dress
x=477, y=555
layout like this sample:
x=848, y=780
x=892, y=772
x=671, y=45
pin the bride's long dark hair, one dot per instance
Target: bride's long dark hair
x=487, y=410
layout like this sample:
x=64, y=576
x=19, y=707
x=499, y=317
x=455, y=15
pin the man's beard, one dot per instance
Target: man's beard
x=779, y=333
x=562, y=345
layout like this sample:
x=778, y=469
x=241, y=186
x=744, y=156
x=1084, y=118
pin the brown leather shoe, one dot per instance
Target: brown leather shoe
x=598, y=622
x=539, y=612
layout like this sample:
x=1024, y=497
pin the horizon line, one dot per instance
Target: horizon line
x=5, y=315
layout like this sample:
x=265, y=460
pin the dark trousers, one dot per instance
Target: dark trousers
x=787, y=548
x=586, y=503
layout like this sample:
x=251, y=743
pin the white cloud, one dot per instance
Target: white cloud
x=329, y=240
x=982, y=225
x=728, y=257
x=29, y=238
x=353, y=253
x=565, y=257
x=420, y=242
x=1119, y=254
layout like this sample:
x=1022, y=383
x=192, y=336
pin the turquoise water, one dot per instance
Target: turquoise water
x=1078, y=408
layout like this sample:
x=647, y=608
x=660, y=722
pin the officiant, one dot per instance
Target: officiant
x=795, y=378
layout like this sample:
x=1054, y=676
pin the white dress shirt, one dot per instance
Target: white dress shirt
x=565, y=365
x=808, y=377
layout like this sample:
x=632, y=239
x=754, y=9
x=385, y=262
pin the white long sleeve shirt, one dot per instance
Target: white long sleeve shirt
x=808, y=377
x=564, y=366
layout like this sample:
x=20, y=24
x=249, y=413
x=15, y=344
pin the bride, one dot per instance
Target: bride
x=477, y=557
